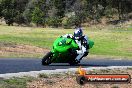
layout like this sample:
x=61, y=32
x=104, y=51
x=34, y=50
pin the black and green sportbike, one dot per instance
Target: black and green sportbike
x=63, y=51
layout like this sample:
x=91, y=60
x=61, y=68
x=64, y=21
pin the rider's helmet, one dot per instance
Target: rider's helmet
x=78, y=33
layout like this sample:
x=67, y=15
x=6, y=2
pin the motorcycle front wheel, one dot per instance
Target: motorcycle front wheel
x=46, y=60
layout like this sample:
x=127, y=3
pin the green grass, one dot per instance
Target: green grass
x=107, y=42
x=112, y=43
x=15, y=82
x=31, y=36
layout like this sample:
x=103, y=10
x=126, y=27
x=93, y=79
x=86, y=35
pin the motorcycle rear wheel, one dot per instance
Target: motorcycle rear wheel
x=73, y=62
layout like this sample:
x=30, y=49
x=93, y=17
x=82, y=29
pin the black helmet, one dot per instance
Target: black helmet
x=78, y=33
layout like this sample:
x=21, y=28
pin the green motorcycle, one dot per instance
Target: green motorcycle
x=63, y=51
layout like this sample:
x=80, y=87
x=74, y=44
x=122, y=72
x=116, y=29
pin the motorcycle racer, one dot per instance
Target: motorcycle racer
x=82, y=41
x=69, y=48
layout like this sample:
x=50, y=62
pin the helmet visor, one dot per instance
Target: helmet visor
x=77, y=35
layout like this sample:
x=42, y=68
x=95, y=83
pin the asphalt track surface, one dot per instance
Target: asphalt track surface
x=8, y=65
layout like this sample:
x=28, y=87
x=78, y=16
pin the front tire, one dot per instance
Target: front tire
x=46, y=60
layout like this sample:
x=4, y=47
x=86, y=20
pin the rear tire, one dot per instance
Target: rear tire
x=46, y=60
x=73, y=62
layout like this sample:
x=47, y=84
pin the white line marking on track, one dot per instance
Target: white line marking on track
x=57, y=71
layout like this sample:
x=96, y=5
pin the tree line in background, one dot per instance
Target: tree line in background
x=64, y=13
